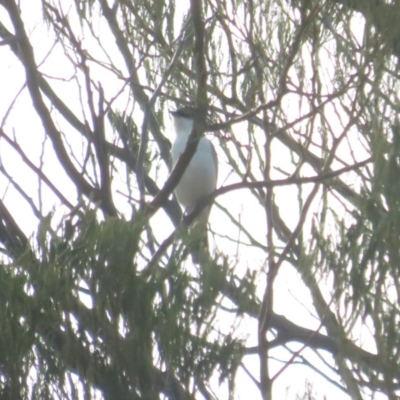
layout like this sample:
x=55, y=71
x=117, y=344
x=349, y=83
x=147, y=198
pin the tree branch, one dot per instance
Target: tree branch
x=32, y=80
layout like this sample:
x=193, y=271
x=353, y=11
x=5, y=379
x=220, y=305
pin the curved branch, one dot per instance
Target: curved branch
x=32, y=79
x=137, y=90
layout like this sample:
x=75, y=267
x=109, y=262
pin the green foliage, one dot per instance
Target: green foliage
x=97, y=312
x=96, y=306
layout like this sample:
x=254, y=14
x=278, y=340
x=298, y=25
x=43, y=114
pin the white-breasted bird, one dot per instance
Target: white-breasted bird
x=199, y=179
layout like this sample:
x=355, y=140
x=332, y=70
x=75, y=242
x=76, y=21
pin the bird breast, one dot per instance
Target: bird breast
x=200, y=177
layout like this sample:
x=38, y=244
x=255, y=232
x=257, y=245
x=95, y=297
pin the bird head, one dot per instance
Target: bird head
x=184, y=118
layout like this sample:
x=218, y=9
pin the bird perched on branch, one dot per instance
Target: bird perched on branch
x=199, y=179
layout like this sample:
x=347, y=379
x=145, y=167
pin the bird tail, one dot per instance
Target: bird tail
x=199, y=239
x=200, y=250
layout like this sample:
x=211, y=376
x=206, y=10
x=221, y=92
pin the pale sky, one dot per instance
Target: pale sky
x=291, y=299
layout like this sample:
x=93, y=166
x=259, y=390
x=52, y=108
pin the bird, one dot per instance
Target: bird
x=199, y=179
